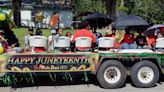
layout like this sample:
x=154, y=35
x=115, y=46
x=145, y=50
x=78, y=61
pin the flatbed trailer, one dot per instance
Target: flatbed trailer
x=110, y=69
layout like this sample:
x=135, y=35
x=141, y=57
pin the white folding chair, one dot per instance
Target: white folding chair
x=83, y=43
x=62, y=42
x=159, y=45
x=106, y=43
x=38, y=41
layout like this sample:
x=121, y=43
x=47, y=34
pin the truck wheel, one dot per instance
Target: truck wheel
x=145, y=74
x=111, y=74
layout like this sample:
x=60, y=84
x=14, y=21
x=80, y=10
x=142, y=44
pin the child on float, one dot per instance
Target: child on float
x=39, y=49
x=113, y=35
x=27, y=40
x=129, y=41
x=141, y=41
x=55, y=35
x=3, y=42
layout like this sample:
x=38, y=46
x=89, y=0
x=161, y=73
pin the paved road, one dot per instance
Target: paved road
x=82, y=88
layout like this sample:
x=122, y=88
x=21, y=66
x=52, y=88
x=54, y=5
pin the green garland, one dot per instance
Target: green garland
x=10, y=80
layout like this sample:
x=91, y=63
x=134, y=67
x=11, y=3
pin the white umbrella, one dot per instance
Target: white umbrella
x=153, y=29
x=156, y=26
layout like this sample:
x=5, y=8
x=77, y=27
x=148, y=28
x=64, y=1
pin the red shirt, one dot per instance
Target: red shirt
x=162, y=30
x=128, y=38
x=39, y=49
x=84, y=33
x=151, y=40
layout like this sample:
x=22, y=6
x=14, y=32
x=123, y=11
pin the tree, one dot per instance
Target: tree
x=16, y=11
x=111, y=8
x=82, y=6
x=122, y=3
x=151, y=10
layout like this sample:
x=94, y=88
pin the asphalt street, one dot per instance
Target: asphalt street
x=79, y=86
x=82, y=88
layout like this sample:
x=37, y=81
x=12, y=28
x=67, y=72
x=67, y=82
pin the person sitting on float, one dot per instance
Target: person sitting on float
x=84, y=31
x=39, y=49
x=160, y=33
x=56, y=34
x=128, y=41
x=68, y=34
x=113, y=35
x=96, y=33
x=27, y=40
x=141, y=41
x=152, y=38
x=4, y=43
x=50, y=38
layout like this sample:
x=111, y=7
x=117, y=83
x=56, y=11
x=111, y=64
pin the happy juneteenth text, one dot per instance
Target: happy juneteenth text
x=49, y=60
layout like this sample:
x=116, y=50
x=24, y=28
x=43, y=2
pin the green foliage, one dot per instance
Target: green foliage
x=22, y=32
x=83, y=6
x=151, y=10
x=125, y=9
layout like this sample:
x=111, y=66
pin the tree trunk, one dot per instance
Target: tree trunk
x=111, y=8
x=16, y=11
x=122, y=3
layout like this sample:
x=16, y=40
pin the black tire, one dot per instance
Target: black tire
x=143, y=64
x=108, y=64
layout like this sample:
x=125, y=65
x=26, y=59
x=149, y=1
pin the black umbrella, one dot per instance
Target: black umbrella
x=83, y=14
x=98, y=20
x=129, y=20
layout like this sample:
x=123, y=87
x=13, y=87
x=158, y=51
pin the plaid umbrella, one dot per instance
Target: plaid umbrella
x=153, y=29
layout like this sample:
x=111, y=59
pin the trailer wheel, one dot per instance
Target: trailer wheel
x=145, y=74
x=111, y=74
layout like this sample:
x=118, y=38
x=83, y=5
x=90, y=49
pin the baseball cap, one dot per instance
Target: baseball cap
x=53, y=31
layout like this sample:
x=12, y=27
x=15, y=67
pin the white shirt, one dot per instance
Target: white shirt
x=50, y=39
x=27, y=40
x=51, y=44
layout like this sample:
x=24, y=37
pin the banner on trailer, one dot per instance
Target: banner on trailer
x=49, y=63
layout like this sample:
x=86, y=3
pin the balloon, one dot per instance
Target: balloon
x=2, y=17
x=1, y=49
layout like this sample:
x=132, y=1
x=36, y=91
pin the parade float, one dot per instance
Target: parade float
x=110, y=67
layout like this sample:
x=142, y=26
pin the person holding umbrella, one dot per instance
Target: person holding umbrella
x=160, y=34
x=140, y=40
x=128, y=41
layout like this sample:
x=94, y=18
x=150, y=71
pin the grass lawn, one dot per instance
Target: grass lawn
x=21, y=32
